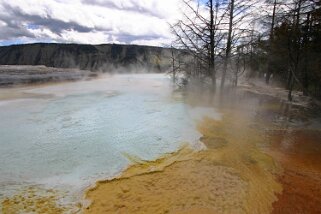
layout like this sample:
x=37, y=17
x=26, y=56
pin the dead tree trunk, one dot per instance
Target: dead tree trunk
x=306, y=57
x=295, y=54
x=173, y=65
x=269, y=69
x=228, y=43
x=212, y=46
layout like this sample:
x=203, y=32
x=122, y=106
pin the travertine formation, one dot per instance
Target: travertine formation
x=26, y=74
x=230, y=177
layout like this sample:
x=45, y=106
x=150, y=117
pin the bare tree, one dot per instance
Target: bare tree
x=239, y=64
x=176, y=62
x=290, y=43
x=297, y=42
x=200, y=34
x=228, y=41
x=237, y=28
x=269, y=69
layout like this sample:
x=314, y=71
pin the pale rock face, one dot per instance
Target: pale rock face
x=26, y=74
x=106, y=58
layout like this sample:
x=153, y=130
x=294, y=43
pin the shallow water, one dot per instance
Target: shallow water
x=87, y=130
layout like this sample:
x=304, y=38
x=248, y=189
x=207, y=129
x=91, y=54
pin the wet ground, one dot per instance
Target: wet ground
x=291, y=135
x=298, y=151
x=262, y=157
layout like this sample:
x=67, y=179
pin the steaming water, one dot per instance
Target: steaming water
x=83, y=131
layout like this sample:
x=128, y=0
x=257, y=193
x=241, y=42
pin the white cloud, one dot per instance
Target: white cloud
x=88, y=21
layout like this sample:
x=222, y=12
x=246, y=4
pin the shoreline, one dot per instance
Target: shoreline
x=193, y=166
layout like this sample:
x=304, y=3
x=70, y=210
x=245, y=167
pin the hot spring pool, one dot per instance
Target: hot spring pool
x=65, y=136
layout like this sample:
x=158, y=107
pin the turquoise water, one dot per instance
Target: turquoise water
x=83, y=131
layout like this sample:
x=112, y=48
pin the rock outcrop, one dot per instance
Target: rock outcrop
x=105, y=57
x=26, y=74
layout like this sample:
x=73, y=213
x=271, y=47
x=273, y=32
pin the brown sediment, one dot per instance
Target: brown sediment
x=32, y=200
x=301, y=193
x=12, y=94
x=231, y=176
x=299, y=152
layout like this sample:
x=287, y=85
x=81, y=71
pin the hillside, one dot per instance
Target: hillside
x=105, y=57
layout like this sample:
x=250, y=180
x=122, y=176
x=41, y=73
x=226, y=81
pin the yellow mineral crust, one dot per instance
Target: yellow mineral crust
x=231, y=176
x=33, y=200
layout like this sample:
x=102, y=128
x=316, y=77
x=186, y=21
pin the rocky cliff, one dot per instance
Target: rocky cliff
x=105, y=57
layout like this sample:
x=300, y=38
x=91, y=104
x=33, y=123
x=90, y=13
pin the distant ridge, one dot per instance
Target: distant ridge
x=104, y=57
